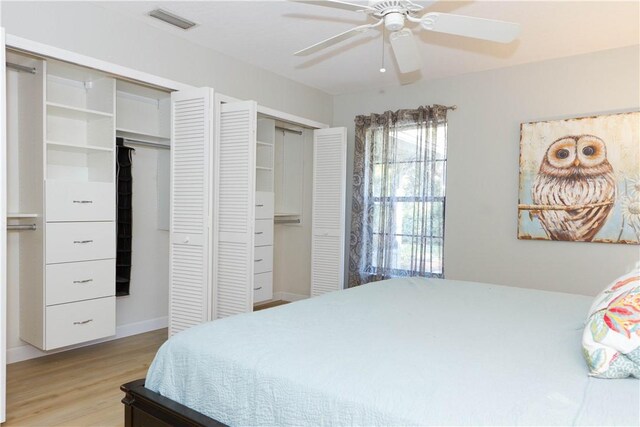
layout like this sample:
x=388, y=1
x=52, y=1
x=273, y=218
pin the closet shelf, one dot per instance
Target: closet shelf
x=75, y=113
x=141, y=136
x=286, y=214
x=78, y=148
x=18, y=215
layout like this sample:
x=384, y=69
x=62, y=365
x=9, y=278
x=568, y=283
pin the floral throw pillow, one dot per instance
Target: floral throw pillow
x=611, y=339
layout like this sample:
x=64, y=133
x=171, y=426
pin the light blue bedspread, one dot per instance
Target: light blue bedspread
x=399, y=352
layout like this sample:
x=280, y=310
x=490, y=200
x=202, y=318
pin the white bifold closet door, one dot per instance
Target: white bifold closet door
x=3, y=231
x=192, y=124
x=234, y=200
x=328, y=210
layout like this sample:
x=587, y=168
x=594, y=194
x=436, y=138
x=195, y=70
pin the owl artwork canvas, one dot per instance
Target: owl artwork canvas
x=580, y=179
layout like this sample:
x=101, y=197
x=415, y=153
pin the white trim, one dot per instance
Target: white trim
x=42, y=49
x=3, y=233
x=275, y=114
x=26, y=352
x=288, y=296
x=290, y=118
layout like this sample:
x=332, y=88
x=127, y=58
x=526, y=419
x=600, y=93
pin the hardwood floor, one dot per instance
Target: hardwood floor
x=78, y=387
x=269, y=305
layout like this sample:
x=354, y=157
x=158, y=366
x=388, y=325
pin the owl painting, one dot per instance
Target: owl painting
x=575, y=189
x=580, y=179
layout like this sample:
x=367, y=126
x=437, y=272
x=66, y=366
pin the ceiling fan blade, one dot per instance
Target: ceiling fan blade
x=336, y=39
x=405, y=50
x=467, y=26
x=337, y=5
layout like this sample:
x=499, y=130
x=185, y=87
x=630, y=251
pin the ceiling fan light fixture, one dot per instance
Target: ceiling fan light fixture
x=394, y=21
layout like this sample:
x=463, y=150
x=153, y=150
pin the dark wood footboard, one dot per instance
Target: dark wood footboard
x=144, y=408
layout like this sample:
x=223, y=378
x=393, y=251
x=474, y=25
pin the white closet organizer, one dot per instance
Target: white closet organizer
x=66, y=178
x=64, y=123
x=264, y=211
x=222, y=243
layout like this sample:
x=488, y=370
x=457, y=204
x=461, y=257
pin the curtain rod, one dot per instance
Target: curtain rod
x=19, y=67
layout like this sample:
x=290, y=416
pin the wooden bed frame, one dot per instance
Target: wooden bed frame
x=144, y=408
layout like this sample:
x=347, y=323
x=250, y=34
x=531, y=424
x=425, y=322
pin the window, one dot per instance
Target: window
x=399, y=201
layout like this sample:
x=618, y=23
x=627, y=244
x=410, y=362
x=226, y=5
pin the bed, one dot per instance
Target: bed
x=406, y=351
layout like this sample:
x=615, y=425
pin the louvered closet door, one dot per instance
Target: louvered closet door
x=328, y=215
x=234, y=214
x=191, y=139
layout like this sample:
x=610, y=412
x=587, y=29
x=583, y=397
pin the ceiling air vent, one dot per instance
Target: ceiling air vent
x=172, y=19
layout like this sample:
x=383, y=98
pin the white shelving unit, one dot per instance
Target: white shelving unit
x=69, y=297
x=263, y=253
x=264, y=166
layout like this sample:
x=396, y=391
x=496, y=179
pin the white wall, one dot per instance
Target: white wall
x=150, y=246
x=482, y=169
x=94, y=31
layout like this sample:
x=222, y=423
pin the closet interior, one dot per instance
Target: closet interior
x=284, y=155
x=66, y=243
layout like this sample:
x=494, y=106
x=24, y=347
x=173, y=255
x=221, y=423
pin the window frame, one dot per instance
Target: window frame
x=441, y=200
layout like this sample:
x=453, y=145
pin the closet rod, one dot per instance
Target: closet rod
x=286, y=221
x=19, y=67
x=20, y=227
x=147, y=144
x=298, y=132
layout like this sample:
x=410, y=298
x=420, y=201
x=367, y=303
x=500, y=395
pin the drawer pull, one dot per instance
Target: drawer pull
x=259, y=206
x=258, y=232
x=83, y=281
x=83, y=201
x=82, y=241
x=258, y=260
x=258, y=288
x=84, y=322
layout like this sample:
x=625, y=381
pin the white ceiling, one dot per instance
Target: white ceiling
x=266, y=33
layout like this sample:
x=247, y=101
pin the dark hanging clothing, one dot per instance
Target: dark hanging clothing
x=124, y=217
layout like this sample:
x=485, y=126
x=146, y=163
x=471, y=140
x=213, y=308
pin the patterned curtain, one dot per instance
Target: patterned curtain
x=397, y=224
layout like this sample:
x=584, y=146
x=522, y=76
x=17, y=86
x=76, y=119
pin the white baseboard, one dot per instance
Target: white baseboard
x=26, y=352
x=288, y=296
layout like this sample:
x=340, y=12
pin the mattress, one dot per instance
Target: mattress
x=406, y=351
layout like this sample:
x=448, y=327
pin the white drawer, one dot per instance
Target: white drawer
x=262, y=287
x=80, y=241
x=77, y=281
x=264, y=205
x=262, y=259
x=264, y=232
x=76, y=322
x=80, y=201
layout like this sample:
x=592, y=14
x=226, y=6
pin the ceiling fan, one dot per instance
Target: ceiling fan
x=394, y=14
